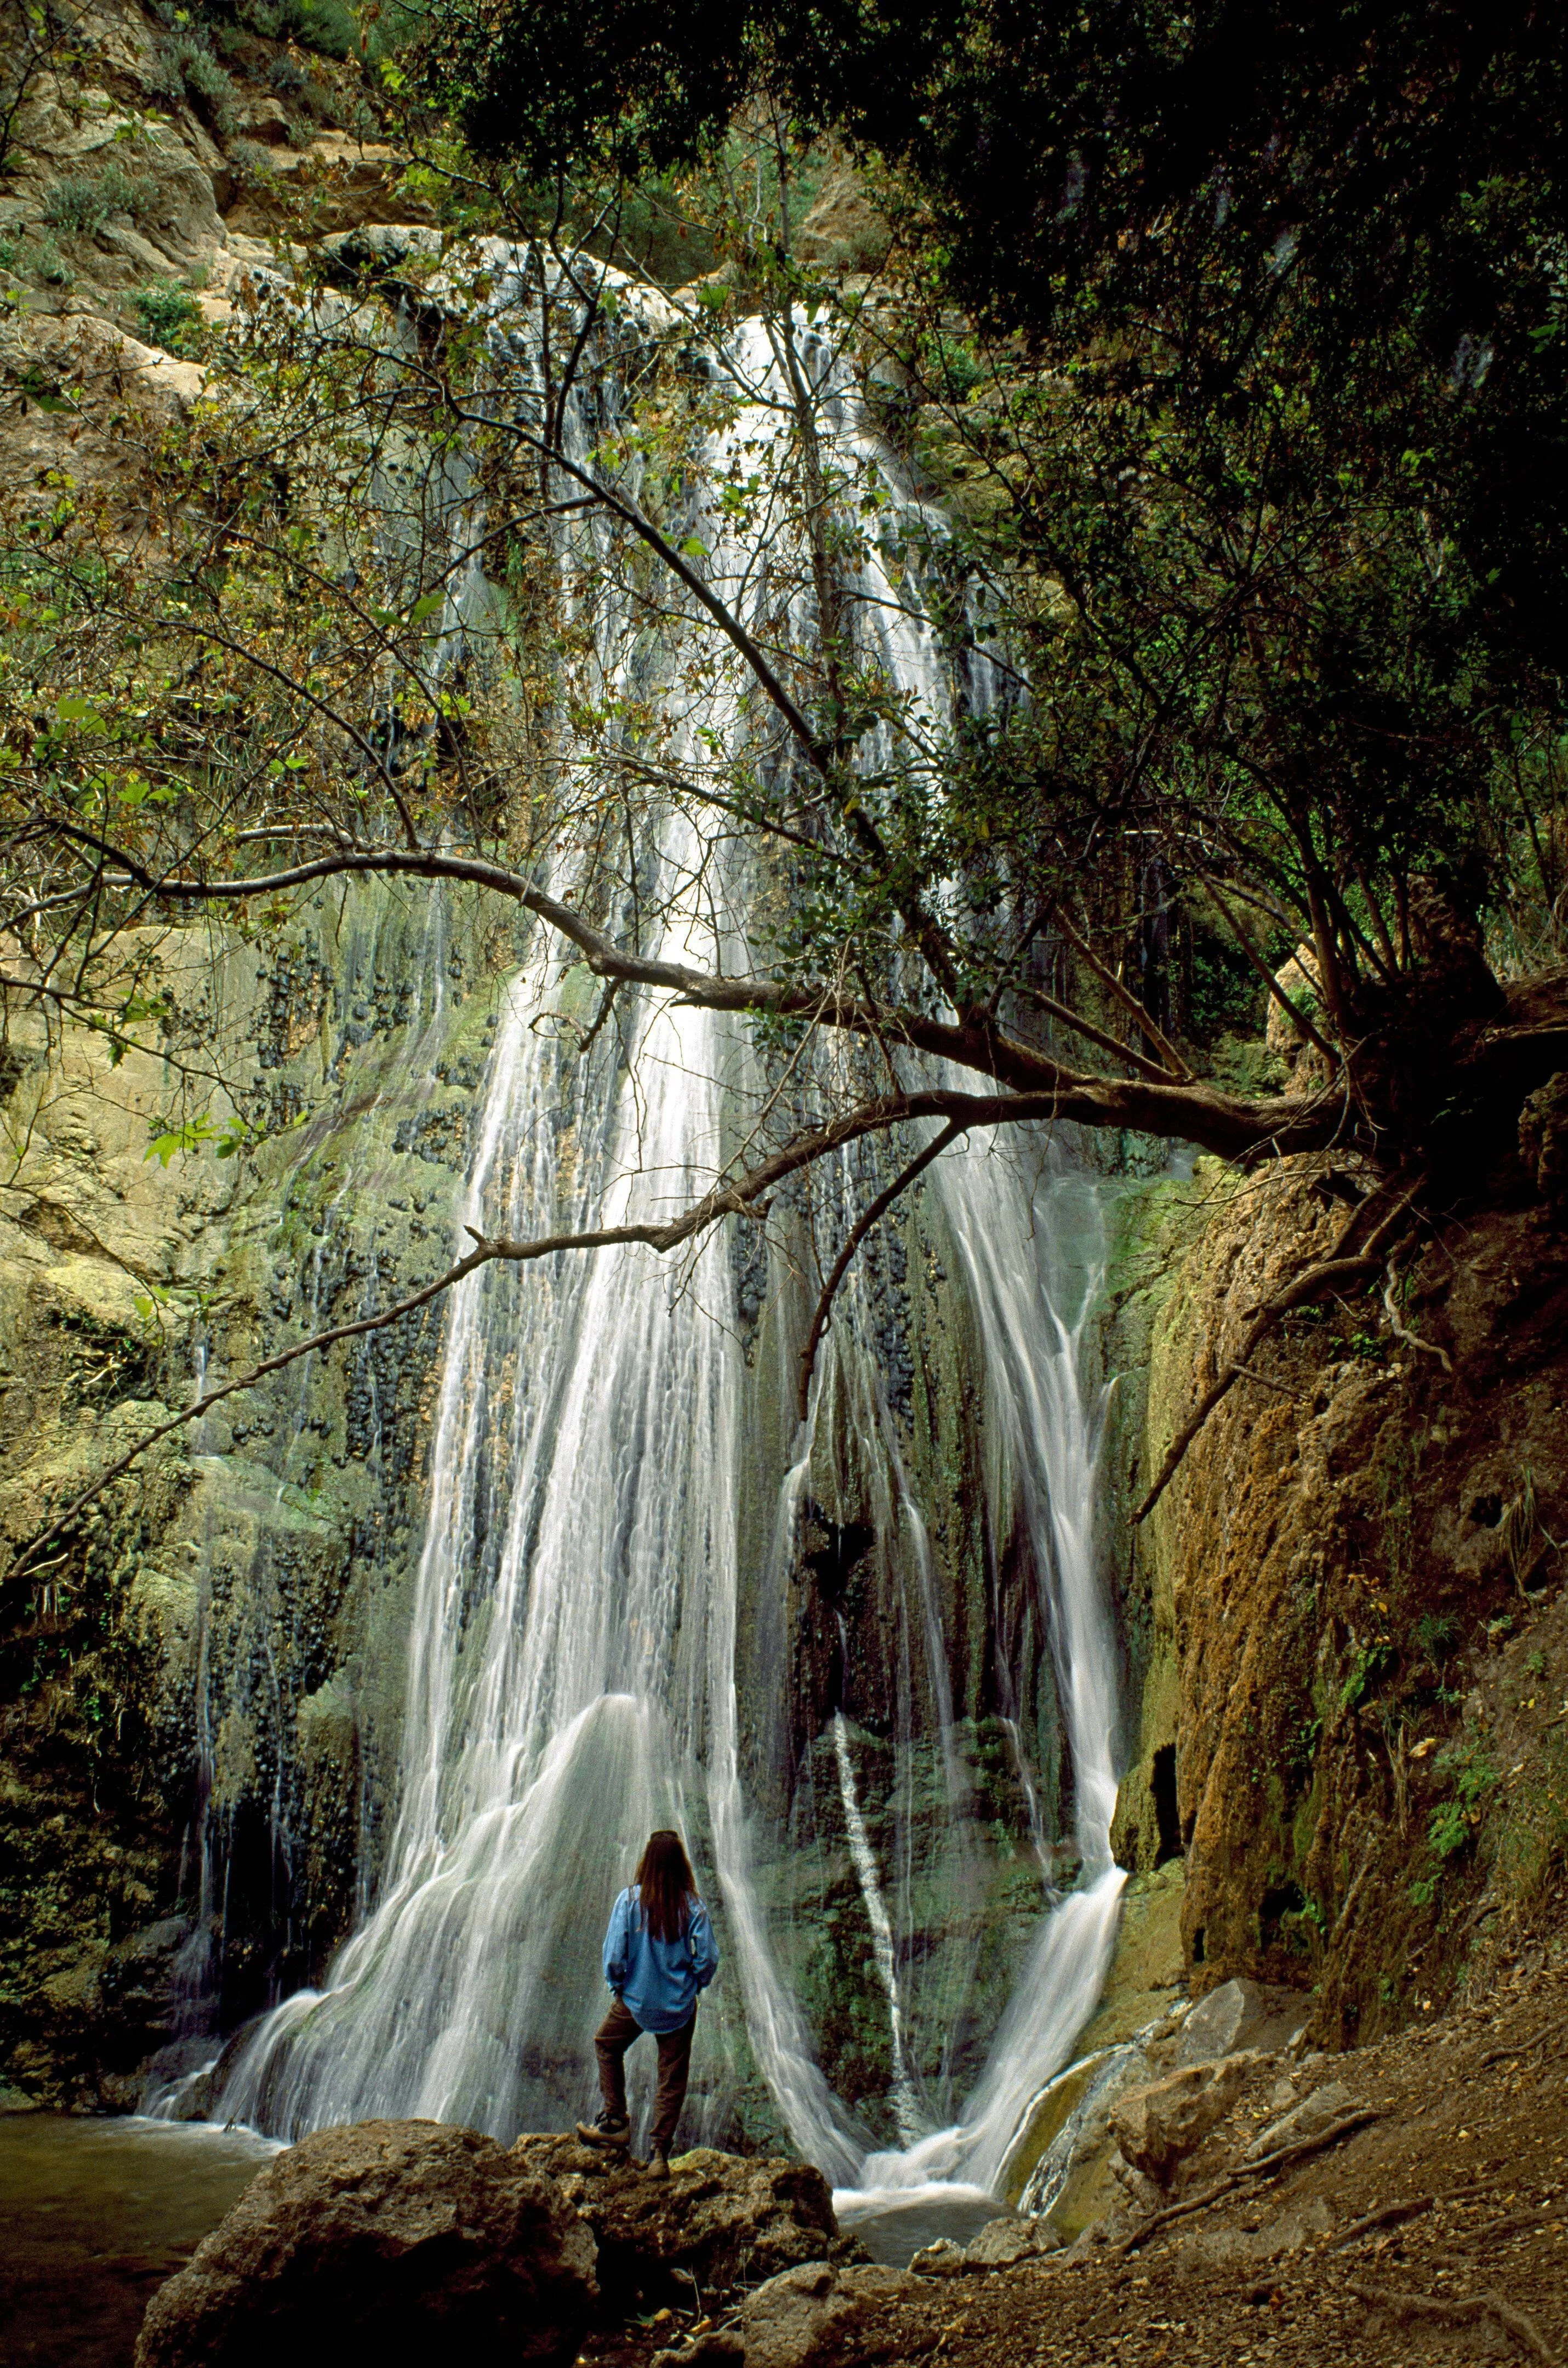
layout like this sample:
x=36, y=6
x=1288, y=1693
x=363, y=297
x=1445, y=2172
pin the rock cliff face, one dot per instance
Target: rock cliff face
x=1346, y=1609
x=200, y=1703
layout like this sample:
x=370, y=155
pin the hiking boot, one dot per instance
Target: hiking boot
x=658, y=2163
x=606, y=2130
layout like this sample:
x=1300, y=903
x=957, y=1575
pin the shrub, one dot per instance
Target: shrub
x=195, y=71
x=251, y=161
x=82, y=201
x=324, y=25
x=170, y=315
x=50, y=266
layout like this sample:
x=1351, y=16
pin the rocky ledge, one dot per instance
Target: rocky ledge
x=409, y=2238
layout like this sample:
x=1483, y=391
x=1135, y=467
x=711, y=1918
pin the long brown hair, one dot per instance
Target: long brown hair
x=666, y=1885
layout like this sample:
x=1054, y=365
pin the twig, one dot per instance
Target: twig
x=1250, y=1373
x=1175, y=1066
x=1298, y=1019
x=1317, y=1281
x=1314, y=1282
x=1464, y=2310
x=1401, y=1332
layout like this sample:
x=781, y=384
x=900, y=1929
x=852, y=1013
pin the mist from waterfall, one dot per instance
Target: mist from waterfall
x=572, y=1671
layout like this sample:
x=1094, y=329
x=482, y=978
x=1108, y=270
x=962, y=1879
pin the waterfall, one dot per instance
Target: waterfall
x=572, y=1678
x=906, y=2111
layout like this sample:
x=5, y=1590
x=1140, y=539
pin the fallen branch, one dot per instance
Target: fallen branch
x=1465, y=2310
x=1280, y=2160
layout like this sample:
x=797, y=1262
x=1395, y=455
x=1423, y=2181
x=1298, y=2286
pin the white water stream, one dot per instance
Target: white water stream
x=572, y=1678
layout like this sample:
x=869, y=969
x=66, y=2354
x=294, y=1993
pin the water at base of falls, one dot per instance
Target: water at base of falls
x=572, y=1677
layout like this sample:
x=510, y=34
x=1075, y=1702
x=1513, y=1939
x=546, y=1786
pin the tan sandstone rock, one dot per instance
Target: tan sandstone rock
x=1158, y=2127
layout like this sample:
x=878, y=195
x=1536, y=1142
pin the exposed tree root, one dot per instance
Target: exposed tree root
x=1389, y=2217
x=1280, y=2160
x=1464, y=2310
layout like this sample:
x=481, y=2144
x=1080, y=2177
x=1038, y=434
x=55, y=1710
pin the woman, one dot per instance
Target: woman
x=659, y=1951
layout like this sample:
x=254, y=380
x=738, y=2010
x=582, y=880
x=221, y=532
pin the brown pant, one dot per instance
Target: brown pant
x=612, y=2039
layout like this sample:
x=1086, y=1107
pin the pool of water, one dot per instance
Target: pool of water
x=94, y=2216
x=895, y=2228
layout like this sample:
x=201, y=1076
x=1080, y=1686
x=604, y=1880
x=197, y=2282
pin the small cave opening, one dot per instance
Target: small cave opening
x=1278, y=1902
x=1163, y=1793
x=833, y=1550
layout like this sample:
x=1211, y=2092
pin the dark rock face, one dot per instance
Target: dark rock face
x=396, y=2239
x=720, y=2218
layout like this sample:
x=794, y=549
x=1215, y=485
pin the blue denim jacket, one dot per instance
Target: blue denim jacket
x=658, y=1980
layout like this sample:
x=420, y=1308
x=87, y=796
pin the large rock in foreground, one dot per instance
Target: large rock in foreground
x=817, y=2317
x=388, y=2239
x=1157, y=2127
x=723, y=2219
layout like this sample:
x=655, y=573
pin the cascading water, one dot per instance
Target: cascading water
x=572, y=1660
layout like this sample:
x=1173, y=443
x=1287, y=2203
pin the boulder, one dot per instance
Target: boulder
x=1221, y=2022
x=1158, y=2127
x=402, y=2238
x=999, y=2246
x=719, y=2218
x=816, y=2316
x=1316, y=2112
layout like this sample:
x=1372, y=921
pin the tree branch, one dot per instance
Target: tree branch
x=1193, y=1112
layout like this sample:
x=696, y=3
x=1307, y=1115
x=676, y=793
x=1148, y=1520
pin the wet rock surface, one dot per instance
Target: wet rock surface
x=720, y=2219
x=1000, y=2245
x=402, y=2238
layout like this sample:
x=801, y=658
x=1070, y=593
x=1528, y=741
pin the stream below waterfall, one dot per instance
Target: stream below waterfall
x=97, y=2214
x=599, y=1643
